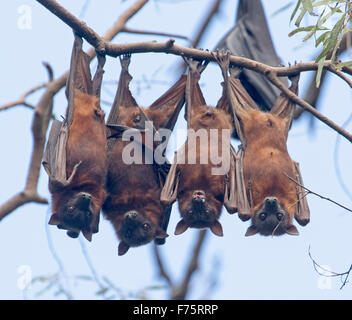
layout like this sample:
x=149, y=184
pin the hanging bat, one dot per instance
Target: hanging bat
x=133, y=203
x=250, y=38
x=263, y=166
x=75, y=157
x=201, y=194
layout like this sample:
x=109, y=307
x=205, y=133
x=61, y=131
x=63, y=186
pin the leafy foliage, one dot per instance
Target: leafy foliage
x=328, y=37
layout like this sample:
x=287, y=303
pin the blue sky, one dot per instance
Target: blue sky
x=246, y=268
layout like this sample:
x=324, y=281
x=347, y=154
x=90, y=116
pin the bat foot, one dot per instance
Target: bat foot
x=125, y=61
x=222, y=57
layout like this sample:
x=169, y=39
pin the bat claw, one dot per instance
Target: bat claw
x=125, y=60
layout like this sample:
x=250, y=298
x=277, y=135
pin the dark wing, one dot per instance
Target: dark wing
x=52, y=160
x=284, y=107
x=239, y=100
x=243, y=204
x=170, y=104
x=230, y=197
x=79, y=79
x=123, y=98
x=169, y=192
x=251, y=38
x=98, y=77
x=302, y=214
x=123, y=95
x=194, y=96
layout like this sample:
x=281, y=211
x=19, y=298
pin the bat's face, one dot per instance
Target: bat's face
x=271, y=218
x=137, y=229
x=130, y=117
x=75, y=214
x=199, y=210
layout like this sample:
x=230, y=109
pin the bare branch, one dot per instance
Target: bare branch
x=211, y=13
x=317, y=194
x=43, y=110
x=328, y=273
x=180, y=292
x=305, y=105
x=162, y=270
x=155, y=33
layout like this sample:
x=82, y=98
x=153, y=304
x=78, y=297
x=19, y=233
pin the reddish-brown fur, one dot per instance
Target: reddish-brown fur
x=267, y=164
x=86, y=143
x=132, y=188
x=198, y=176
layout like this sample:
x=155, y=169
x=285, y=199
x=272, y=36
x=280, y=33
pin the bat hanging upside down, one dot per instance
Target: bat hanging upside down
x=202, y=186
x=133, y=202
x=75, y=157
x=270, y=197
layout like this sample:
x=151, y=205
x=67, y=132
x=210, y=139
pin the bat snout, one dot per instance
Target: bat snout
x=131, y=215
x=83, y=201
x=271, y=203
x=198, y=196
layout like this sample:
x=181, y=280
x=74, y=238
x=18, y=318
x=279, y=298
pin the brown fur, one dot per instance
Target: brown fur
x=86, y=143
x=198, y=176
x=132, y=187
x=266, y=164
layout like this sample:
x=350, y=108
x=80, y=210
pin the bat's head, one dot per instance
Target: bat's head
x=137, y=229
x=210, y=117
x=199, y=210
x=132, y=117
x=272, y=218
x=75, y=213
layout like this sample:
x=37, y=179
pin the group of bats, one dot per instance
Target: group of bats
x=87, y=174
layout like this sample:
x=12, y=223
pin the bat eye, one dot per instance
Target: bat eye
x=279, y=216
x=208, y=113
x=146, y=226
x=137, y=119
x=262, y=216
x=70, y=209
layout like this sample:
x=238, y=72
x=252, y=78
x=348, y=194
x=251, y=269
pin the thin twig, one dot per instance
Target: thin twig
x=161, y=266
x=317, y=194
x=180, y=292
x=155, y=33
x=43, y=114
x=329, y=273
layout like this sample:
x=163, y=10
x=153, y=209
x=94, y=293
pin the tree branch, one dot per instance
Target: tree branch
x=317, y=194
x=162, y=270
x=180, y=292
x=169, y=47
x=43, y=110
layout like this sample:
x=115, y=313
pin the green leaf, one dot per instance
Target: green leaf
x=344, y=64
x=295, y=10
x=300, y=30
x=327, y=2
x=300, y=17
x=319, y=72
x=307, y=4
x=322, y=38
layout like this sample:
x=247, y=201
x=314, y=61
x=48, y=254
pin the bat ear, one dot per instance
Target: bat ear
x=87, y=234
x=161, y=234
x=123, y=248
x=251, y=231
x=216, y=228
x=181, y=227
x=54, y=219
x=72, y=234
x=292, y=230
